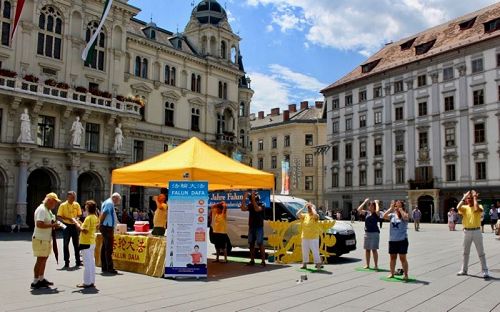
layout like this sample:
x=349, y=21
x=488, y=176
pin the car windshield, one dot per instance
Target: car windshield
x=295, y=206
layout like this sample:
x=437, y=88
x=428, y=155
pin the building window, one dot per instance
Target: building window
x=377, y=92
x=170, y=75
x=309, y=140
x=449, y=103
x=335, y=179
x=362, y=149
x=45, y=133
x=480, y=171
x=348, y=151
x=450, y=173
x=242, y=109
x=335, y=153
x=478, y=96
x=422, y=80
x=250, y=146
x=220, y=90
x=309, y=183
x=378, y=176
x=400, y=142
x=449, y=134
x=378, y=117
x=362, y=96
x=335, y=126
x=348, y=124
x=477, y=65
x=498, y=60
x=141, y=67
x=287, y=141
x=261, y=145
x=92, y=137
x=274, y=162
x=5, y=21
x=398, y=86
x=479, y=133
x=448, y=73
x=378, y=147
x=221, y=123
x=348, y=179
x=398, y=113
x=348, y=100
x=422, y=109
x=169, y=114
x=422, y=140
x=309, y=160
x=362, y=121
x=362, y=177
x=260, y=164
x=400, y=175
x=97, y=61
x=138, y=150
x=50, y=33
x=274, y=142
x=335, y=103
x=195, y=119
x=224, y=91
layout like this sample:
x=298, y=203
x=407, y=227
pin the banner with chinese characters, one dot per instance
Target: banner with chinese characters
x=285, y=177
x=130, y=248
x=187, y=229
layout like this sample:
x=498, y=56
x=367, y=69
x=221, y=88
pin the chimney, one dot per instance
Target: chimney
x=292, y=108
x=286, y=115
x=304, y=105
x=275, y=111
x=318, y=104
x=261, y=115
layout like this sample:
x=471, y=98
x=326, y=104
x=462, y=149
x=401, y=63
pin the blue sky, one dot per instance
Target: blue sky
x=293, y=48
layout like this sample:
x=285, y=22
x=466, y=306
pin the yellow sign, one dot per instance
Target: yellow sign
x=130, y=248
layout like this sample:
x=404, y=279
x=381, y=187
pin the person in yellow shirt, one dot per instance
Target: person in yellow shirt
x=87, y=244
x=471, y=219
x=310, y=235
x=67, y=212
x=160, y=218
x=219, y=227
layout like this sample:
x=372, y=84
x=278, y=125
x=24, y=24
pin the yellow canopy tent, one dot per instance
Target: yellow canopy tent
x=193, y=160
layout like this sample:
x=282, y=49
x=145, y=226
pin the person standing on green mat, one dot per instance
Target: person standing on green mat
x=398, y=236
x=372, y=232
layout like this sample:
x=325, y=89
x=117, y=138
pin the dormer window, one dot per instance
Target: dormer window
x=153, y=34
x=408, y=44
x=368, y=67
x=467, y=24
x=424, y=47
x=492, y=25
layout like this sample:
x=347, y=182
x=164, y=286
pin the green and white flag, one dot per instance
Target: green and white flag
x=89, y=51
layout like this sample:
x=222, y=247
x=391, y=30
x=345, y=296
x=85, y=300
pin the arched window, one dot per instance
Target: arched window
x=234, y=55
x=193, y=82
x=167, y=74
x=97, y=61
x=223, y=50
x=221, y=124
x=144, y=73
x=195, y=119
x=138, y=66
x=198, y=84
x=225, y=91
x=242, y=138
x=5, y=21
x=242, y=109
x=172, y=76
x=50, y=33
x=169, y=114
x=220, y=89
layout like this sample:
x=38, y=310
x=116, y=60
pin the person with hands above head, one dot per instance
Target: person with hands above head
x=310, y=235
x=218, y=214
x=398, y=236
x=372, y=231
x=471, y=211
x=255, y=225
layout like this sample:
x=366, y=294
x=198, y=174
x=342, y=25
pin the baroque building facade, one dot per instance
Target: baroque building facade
x=419, y=120
x=151, y=87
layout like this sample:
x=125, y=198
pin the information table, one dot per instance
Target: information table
x=134, y=253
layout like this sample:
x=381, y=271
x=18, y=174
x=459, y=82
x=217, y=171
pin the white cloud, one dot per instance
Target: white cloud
x=297, y=80
x=269, y=28
x=360, y=25
x=269, y=92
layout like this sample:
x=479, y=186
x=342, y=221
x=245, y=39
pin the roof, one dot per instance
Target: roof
x=447, y=36
x=312, y=114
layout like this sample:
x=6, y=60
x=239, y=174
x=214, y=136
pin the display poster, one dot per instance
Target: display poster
x=233, y=198
x=285, y=177
x=130, y=248
x=187, y=229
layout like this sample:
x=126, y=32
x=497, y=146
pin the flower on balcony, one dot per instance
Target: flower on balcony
x=120, y=98
x=31, y=78
x=95, y=91
x=62, y=85
x=51, y=82
x=106, y=94
x=7, y=73
x=135, y=100
x=81, y=89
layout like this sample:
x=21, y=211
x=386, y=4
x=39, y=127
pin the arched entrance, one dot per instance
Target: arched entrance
x=425, y=204
x=89, y=187
x=40, y=183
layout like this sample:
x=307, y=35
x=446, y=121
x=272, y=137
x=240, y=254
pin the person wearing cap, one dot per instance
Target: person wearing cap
x=108, y=221
x=42, y=237
x=255, y=225
x=67, y=212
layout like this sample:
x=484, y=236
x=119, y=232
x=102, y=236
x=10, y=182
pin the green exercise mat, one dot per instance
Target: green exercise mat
x=398, y=278
x=361, y=269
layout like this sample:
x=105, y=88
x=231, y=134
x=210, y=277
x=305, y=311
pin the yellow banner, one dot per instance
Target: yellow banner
x=130, y=248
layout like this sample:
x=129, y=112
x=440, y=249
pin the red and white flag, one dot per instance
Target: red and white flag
x=17, y=17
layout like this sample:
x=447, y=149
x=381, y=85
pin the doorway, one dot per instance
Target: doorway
x=89, y=187
x=425, y=204
x=40, y=183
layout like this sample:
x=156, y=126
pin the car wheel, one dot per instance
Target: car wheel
x=333, y=259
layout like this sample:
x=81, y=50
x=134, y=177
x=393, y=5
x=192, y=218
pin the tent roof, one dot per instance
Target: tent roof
x=197, y=161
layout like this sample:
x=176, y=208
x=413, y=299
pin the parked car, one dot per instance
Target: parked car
x=286, y=210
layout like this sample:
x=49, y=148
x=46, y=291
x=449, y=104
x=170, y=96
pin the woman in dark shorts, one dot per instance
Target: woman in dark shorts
x=398, y=236
x=219, y=228
x=372, y=232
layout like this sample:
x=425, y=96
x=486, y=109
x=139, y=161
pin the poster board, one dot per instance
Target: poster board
x=187, y=229
x=233, y=198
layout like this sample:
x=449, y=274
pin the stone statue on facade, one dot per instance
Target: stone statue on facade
x=25, y=134
x=118, y=138
x=77, y=130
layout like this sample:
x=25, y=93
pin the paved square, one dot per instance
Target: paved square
x=434, y=258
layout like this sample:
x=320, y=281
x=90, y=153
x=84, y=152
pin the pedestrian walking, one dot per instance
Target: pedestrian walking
x=398, y=236
x=108, y=221
x=67, y=213
x=160, y=217
x=338, y=215
x=255, y=225
x=218, y=214
x=353, y=216
x=42, y=236
x=372, y=232
x=452, y=217
x=310, y=235
x=87, y=244
x=493, y=218
x=381, y=217
x=416, y=215
x=471, y=212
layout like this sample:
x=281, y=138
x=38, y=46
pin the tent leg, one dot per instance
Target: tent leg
x=111, y=189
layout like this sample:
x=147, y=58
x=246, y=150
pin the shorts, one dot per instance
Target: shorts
x=158, y=231
x=372, y=240
x=494, y=221
x=41, y=248
x=219, y=240
x=256, y=235
x=398, y=247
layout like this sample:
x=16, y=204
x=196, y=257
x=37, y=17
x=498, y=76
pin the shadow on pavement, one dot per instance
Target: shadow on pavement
x=45, y=291
x=343, y=260
x=11, y=237
x=87, y=291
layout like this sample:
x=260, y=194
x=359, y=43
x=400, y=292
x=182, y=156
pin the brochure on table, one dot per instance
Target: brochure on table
x=186, y=229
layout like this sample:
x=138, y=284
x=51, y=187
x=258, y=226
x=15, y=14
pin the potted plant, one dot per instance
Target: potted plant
x=31, y=78
x=7, y=73
x=62, y=85
x=120, y=98
x=106, y=94
x=81, y=89
x=51, y=82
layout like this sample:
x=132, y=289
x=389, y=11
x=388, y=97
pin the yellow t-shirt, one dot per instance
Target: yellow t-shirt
x=219, y=222
x=90, y=224
x=67, y=210
x=310, y=227
x=160, y=218
x=470, y=218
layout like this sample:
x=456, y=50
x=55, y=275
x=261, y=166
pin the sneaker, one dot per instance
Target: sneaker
x=486, y=274
x=113, y=271
x=46, y=282
x=65, y=267
x=35, y=285
x=79, y=264
x=460, y=273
